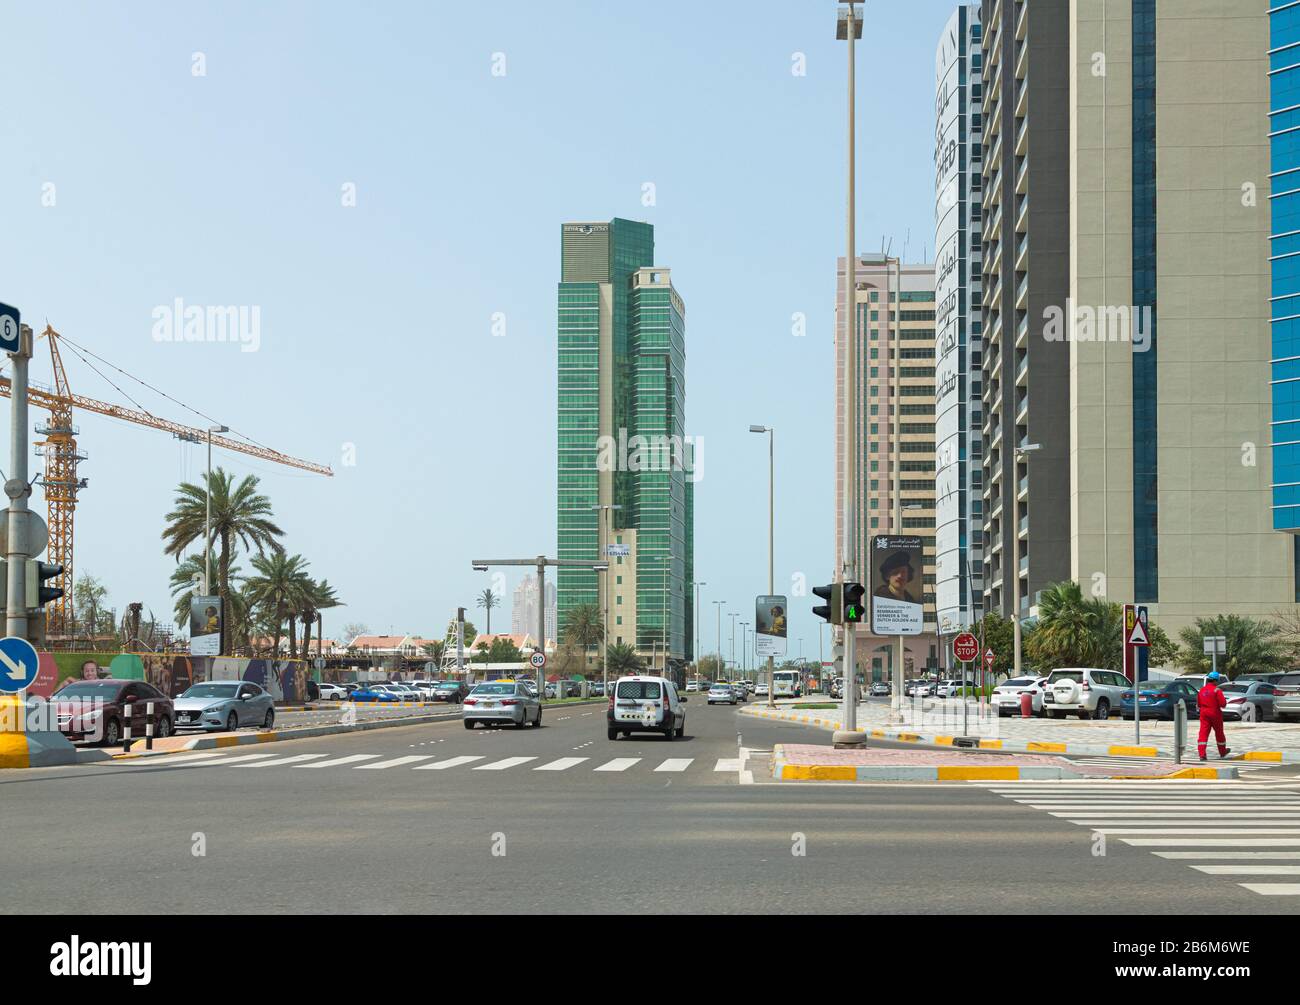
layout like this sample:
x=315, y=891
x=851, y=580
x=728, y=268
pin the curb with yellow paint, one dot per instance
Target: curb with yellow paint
x=912, y=772
x=1015, y=746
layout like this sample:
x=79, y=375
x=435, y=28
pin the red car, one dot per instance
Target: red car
x=95, y=710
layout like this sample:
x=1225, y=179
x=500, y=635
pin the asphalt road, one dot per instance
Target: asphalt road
x=586, y=824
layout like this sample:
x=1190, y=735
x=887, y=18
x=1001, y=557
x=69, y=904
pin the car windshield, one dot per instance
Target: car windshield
x=1019, y=682
x=1235, y=687
x=495, y=689
x=1074, y=675
x=211, y=691
x=1290, y=680
x=638, y=689
x=81, y=690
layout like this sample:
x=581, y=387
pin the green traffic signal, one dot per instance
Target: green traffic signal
x=853, y=594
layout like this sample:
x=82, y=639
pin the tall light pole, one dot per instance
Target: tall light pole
x=604, y=509
x=744, y=648
x=695, y=589
x=1021, y=451
x=848, y=27
x=719, y=604
x=771, y=522
x=733, y=618
x=207, y=520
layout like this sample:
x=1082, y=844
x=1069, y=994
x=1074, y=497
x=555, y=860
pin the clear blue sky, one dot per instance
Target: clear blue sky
x=376, y=320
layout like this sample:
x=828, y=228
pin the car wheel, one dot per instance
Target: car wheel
x=537, y=719
x=164, y=728
x=269, y=721
x=469, y=723
x=613, y=734
x=523, y=722
x=232, y=722
x=668, y=733
x=681, y=730
x=1103, y=709
x=112, y=733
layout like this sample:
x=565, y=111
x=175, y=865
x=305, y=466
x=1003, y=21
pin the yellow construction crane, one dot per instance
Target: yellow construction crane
x=61, y=454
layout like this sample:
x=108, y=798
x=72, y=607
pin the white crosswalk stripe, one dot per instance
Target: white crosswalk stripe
x=675, y=764
x=505, y=763
x=618, y=764
x=277, y=761
x=1218, y=827
x=242, y=757
x=451, y=762
x=395, y=762
x=562, y=764
x=339, y=761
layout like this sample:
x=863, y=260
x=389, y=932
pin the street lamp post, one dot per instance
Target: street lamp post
x=695, y=588
x=207, y=535
x=744, y=650
x=733, y=618
x=719, y=604
x=1020, y=453
x=771, y=522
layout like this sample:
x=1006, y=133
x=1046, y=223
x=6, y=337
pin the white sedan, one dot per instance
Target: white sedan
x=760, y=691
x=1006, y=696
x=331, y=692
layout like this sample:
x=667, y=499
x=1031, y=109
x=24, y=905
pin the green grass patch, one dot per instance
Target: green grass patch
x=819, y=705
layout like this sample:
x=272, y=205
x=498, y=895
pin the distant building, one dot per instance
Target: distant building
x=523, y=612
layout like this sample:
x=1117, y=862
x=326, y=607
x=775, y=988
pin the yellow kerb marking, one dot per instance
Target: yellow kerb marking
x=1051, y=748
x=952, y=773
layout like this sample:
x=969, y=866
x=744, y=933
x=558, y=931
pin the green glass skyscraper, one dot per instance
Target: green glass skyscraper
x=621, y=438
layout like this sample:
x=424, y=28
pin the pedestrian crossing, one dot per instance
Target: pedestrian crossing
x=436, y=762
x=1148, y=764
x=1243, y=831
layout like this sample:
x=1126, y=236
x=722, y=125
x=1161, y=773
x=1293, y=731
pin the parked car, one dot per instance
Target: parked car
x=1005, y=698
x=949, y=688
x=95, y=709
x=1159, y=699
x=498, y=702
x=227, y=705
x=879, y=689
x=407, y=692
x=720, y=692
x=1087, y=692
x=692, y=686
x=374, y=692
x=644, y=704
x=333, y=692
x=596, y=689
x=1286, y=697
x=760, y=691
x=449, y=690
x=742, y=692
x=1248, y=700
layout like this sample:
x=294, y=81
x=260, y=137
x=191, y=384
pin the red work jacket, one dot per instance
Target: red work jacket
x=1210, y=701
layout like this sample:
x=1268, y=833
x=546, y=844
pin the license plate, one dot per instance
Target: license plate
x=489, y=704
x=1048, y=697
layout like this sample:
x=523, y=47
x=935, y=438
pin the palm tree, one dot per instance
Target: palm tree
x=239, y=514
x=435, y=651
x=1064, y=635
x=1254, y=646
x=489, y=600
x=623, y=658
x=583, y=627
x=183, y=589
x=278, y=589
x=318, y=597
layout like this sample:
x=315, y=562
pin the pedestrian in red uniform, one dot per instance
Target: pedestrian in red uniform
x=1210, y=702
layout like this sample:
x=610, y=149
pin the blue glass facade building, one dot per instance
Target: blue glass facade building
x=1284, y=142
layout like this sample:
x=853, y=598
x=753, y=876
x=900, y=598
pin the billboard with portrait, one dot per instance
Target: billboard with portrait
x=205, y=626
x=770, y=626
x=896, y=586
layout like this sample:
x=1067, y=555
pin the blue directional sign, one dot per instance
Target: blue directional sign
x=18, y=664
x=9, y=319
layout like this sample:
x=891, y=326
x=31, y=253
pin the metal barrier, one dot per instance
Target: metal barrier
x=1180, y=731
x=127, y=715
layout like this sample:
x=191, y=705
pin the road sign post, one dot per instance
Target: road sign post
x=966, y=647
x=19, y=346
x=18, y=664
x=1137, y=639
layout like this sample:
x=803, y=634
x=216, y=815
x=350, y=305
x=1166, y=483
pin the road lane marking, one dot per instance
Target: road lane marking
x=1273, y=889
x=284, y=760
x=243, y=757
x=452, y=762
x=1248, y=870
x=503, y=764
x=563, y=764
x=393, y=763
x=349, y=759
x=1227, y=854
x=618, y=764
x=676, y=764
x=728, y=764
x=1207, y=842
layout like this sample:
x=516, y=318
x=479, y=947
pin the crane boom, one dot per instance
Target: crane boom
x=44, y=399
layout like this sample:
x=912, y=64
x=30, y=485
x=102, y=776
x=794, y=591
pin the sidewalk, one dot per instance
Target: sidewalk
x=940, y=722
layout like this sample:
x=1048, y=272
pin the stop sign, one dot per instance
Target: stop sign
x=966, y=647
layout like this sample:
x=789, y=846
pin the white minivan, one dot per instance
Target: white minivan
x=644, y=704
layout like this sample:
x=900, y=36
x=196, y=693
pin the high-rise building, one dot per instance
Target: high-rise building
x=523, y=612
x=959, y=474
x=622, y=437
x=1026, y=143
x=894, y=485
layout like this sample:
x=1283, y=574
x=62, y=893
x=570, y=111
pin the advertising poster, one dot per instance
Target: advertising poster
x=205, y=626
x=896, y=565
x=770, y=629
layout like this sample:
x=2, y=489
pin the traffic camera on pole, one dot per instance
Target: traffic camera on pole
x=853, y=606
x=833, y=610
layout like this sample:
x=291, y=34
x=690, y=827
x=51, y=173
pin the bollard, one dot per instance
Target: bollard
x=1180, y=731
x=126, y=727
x=148, y=726
x=1026, y=705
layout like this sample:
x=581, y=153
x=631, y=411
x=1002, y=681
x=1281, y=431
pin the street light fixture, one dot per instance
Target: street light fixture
x=1020, y=454
x=719, y=604
x=604, y=509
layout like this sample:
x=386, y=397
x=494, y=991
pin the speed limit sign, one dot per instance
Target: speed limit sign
x=538, y=660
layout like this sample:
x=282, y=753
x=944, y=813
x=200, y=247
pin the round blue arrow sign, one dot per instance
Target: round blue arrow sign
x=18, y=664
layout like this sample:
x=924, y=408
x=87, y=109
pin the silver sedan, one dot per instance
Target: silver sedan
x=222, y=704
x=496, y=702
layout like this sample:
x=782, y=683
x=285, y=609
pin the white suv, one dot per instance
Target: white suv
x=1083, y=691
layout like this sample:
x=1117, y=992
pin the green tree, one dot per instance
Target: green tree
x=90, y=595
x=502, y=650
x=1254, y=646
x=318, y=596
x=1164, y=652
x=623, y=659
x=278, y=587
x=183, y=590
x=997, y=634
x=1066, y=634
x=583, y=628
x=708, y=667
x=488, y=600
x=240, y=515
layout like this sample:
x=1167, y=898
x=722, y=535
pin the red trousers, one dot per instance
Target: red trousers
x=1206, y=722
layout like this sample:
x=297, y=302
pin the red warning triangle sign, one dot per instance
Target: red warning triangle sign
x=1138, y=636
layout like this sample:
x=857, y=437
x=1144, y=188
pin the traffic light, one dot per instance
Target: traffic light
x=37, y=573
x=833, y=609
x=853, y=606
